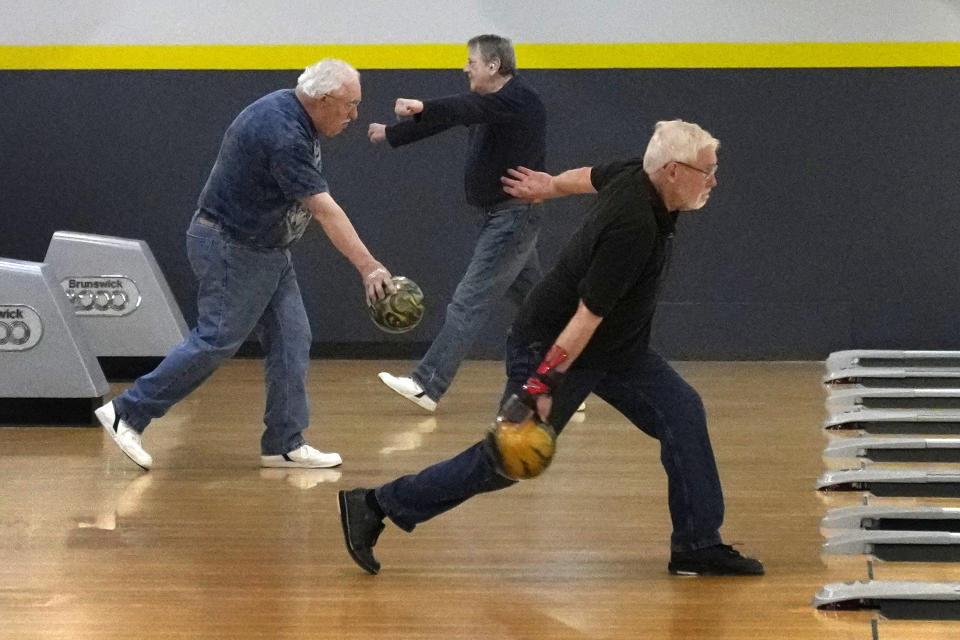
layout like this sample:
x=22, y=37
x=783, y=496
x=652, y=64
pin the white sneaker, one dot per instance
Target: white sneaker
x=123, y=434
x=409, y=390
x=306, y=457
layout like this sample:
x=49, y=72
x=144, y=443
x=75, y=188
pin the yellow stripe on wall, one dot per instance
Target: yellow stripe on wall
x=530, y=56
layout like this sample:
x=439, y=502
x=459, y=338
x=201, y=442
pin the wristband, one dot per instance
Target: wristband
x=547, y=377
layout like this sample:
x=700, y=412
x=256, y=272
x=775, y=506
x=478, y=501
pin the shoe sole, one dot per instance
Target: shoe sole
x=342, y=510
x=710, y=574
x=107, y=425
x=283, y=464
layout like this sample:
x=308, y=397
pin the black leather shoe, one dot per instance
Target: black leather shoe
x=361, y=528
x=718, y=560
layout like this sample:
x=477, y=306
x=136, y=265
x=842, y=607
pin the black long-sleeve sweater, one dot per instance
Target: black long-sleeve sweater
x=506, y=129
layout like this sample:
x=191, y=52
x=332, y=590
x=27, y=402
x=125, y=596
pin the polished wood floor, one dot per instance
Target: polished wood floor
x=208, y=545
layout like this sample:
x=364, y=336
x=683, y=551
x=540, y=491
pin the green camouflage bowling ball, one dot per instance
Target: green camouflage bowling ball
x=401, y=311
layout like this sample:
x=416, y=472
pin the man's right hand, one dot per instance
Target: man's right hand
x=377, y=132
x=377, y=281
x=407, y=107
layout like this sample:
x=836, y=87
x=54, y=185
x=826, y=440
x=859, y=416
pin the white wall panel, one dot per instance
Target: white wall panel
x=39, y=22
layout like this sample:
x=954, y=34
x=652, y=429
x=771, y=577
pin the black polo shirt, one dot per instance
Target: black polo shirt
x=614, y=263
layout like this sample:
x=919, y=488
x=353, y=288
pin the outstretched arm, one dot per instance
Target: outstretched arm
x=535, y=186
x=404, y=107
x=325, y=210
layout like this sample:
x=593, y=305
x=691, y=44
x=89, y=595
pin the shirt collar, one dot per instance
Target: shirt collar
x=302, y=112
x=666, y=220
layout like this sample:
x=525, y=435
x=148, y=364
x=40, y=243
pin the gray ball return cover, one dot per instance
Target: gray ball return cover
x=909, y=600
x=892, y=482
x=118, y=293
x=896, y=421
x=43, y=352
x=860, y=397
x=894, y=449
x=892, y=358
x=903, y=546
x=892, y=517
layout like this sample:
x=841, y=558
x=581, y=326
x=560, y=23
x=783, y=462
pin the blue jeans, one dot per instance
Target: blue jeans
x=649, y=393
x=241, y=289
x=504, y=262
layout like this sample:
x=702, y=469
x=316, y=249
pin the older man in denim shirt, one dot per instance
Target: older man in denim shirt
x=263, y=190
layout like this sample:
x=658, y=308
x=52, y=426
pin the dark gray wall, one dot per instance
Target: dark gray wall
x=834, y=224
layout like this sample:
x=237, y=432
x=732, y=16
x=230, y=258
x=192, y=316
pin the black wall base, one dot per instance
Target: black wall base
x=127, y=368
x=388, y=350
x=53, y=412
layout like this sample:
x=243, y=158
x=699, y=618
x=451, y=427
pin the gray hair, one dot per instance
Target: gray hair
x=325, y=76
x=676, y=140
x=492, y=48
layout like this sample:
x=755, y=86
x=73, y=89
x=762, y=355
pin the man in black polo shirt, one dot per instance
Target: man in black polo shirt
x=586, y=328
x=507, y=128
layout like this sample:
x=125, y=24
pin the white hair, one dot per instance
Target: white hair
x=325, y=76
x=676, y=140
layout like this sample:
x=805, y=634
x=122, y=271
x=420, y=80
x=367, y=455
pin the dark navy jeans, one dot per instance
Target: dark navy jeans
x=504, y=263
x=241, y=289
x=649, y=393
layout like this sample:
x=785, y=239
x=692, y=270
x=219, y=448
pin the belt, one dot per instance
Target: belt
x=505, y=204
x=202, y=217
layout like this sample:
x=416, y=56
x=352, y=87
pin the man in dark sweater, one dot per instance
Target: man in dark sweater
x=586, y=328
x=507, y=128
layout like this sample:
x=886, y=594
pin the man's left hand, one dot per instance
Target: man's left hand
x=377, y=132
x=526, y=184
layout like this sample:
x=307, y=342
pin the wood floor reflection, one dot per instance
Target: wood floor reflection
x=208, y=545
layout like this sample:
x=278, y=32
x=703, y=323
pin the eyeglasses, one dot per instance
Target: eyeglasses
x=707, y=173
x=353, y=104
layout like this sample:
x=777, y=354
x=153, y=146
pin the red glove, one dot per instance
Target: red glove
x=546, y=378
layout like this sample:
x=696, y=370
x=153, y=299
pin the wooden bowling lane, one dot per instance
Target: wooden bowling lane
x=208, y=545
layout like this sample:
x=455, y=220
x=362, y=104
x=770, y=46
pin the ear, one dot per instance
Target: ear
x=672, y=170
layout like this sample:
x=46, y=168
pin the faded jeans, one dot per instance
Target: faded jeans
x=649, y=393
x=241, y=289
x=504, y=262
